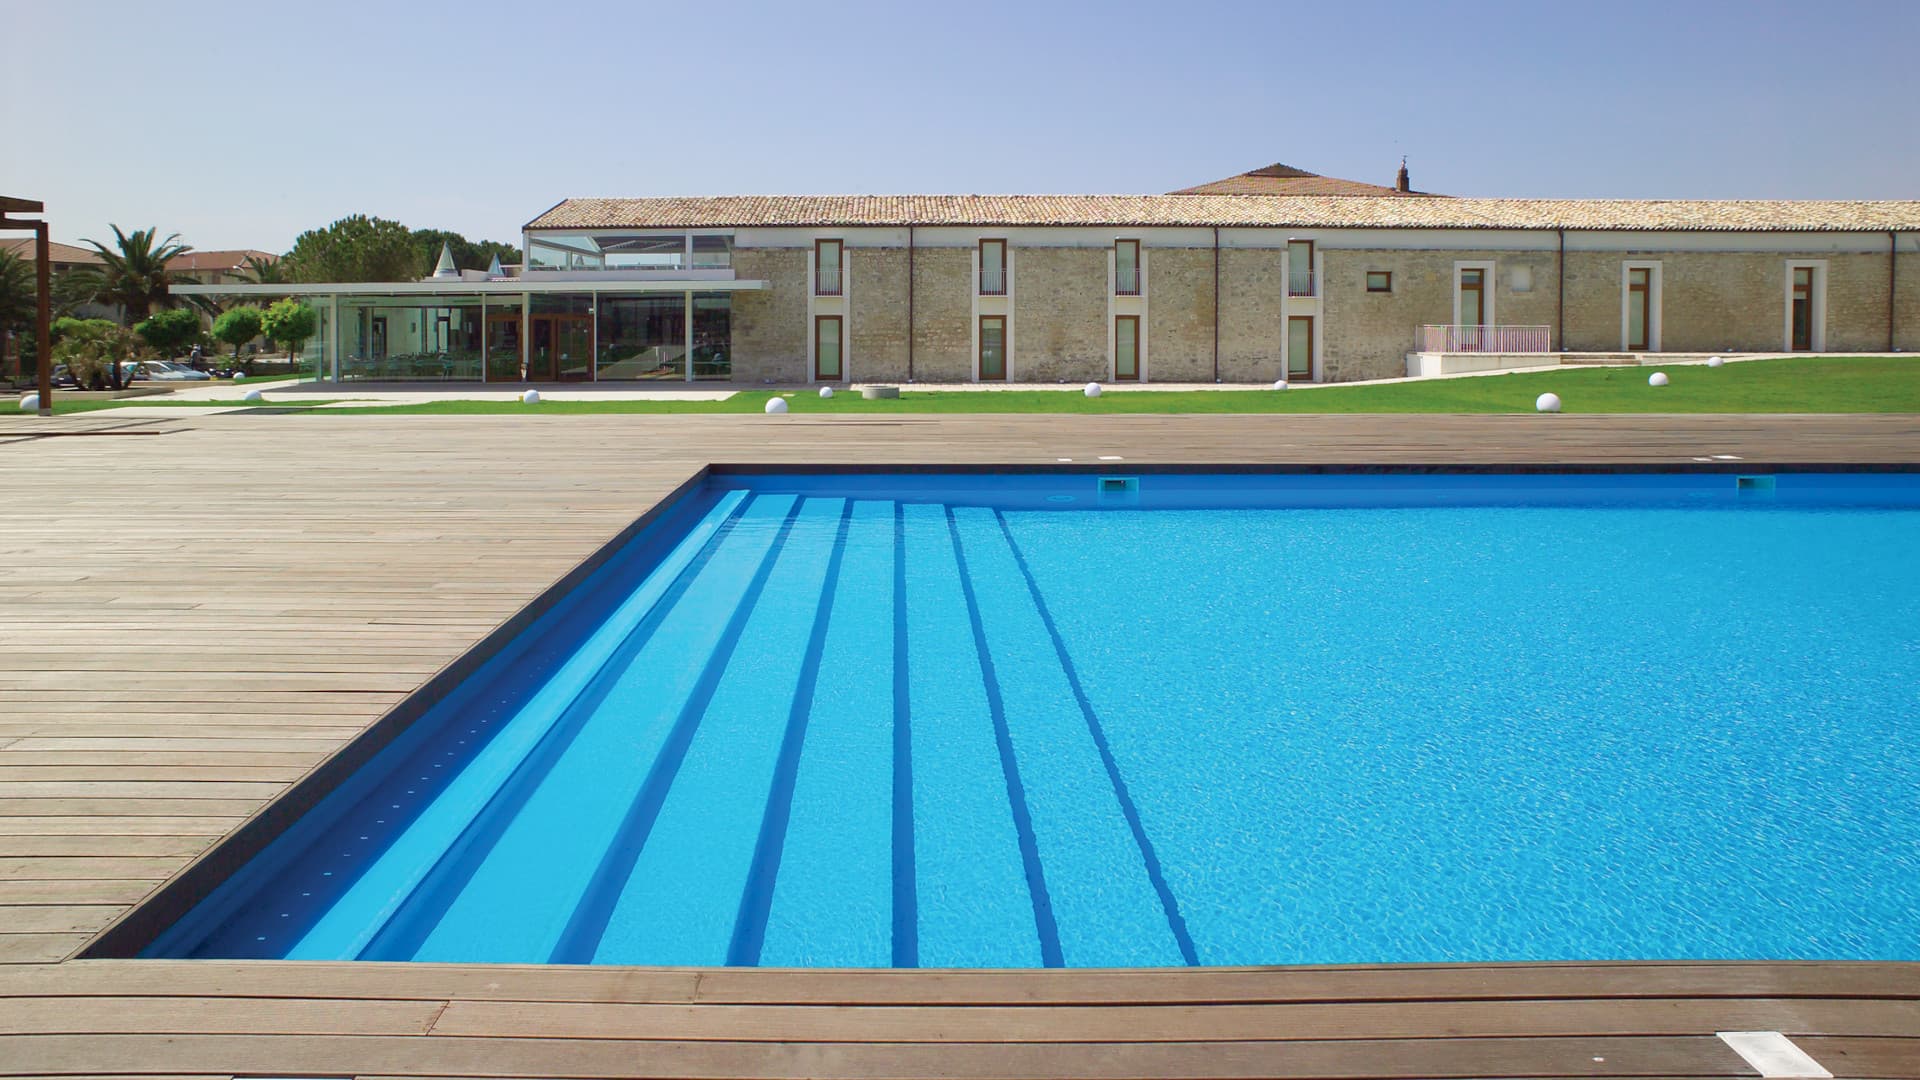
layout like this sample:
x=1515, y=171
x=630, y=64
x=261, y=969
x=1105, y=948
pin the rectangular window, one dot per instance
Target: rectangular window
x=1300, y=268
x=993, y=268
x=1300, y=347
x=1800, y=338
x=712, y=252
x=1379, y=281
x=826, y=267
x=1126, y=268
x=826, y=349
x=1126, y=348
x=993, y=348
x=1639, y=307
x=1473, y=296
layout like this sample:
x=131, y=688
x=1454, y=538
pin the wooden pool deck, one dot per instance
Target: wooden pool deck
x=197, y=610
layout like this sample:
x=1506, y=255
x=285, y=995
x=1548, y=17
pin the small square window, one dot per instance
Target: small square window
x=1379, y=281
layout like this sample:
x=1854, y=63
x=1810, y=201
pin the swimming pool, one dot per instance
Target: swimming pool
x=1056, y=719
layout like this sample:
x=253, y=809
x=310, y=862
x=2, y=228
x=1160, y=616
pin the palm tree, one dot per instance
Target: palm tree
x=258, y=271
x=135, y=271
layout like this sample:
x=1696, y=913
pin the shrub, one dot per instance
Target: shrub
x=172, y=332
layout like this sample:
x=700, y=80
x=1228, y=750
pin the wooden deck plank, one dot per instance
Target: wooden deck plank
x=235, y=629
x=281, y=1054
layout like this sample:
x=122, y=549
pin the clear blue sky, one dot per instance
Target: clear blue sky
x=239, y=125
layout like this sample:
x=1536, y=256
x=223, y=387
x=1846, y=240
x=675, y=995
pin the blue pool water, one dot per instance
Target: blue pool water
x=1016, y=721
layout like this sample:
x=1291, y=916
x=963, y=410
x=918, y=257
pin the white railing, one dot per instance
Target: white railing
x=826, y=281
x=1484, y=339
x=1300, y=281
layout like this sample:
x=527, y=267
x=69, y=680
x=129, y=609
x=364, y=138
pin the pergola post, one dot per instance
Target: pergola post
x=43, y=288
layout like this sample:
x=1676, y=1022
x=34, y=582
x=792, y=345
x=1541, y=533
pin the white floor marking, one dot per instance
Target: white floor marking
x=1063, y=459
x=1772, y=1053
x=1726, y=457
x=1111, y=457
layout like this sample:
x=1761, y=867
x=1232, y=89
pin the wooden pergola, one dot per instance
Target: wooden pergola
x=42, y=259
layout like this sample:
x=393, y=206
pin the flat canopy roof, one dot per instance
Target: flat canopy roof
x=514, y=287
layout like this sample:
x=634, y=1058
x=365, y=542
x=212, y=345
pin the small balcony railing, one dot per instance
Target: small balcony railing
x=992, y=281
x=827, y=281
x=1300, y=281
x=1484, y=339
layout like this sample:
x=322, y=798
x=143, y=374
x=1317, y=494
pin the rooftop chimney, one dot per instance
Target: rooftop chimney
x=1400, y=182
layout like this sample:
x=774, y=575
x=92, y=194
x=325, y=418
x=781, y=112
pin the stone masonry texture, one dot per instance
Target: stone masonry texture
x=1060, y=315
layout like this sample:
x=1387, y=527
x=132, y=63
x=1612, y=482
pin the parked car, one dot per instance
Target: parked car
x=167, y=371
x=63, y=377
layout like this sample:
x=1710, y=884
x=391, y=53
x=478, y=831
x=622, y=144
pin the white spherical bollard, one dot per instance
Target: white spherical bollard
x=1547, y=403
x=30, y=403
x=253, y=397
x=239, y=376
x=776, y=406
x=1281, y=385
x=1092, y=390
x=1658, y=378
x=1714, y=361
x=531, y=397
x=826, y=392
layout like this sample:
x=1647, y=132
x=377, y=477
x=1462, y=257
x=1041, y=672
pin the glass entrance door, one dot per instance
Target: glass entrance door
x=503, y=348
x=1300, y=347
x=1473, y=296
x=560, y=348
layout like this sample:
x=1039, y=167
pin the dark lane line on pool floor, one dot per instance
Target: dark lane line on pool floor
x=1175, y=921
x=1043, y=919
x=756, y=900
x=406, y=932
x=906, y=895
x=581, y=938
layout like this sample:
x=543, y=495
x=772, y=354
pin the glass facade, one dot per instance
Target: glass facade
x=712, y=336
x=538, y=337
x=404, y=339
x=625, y=252
x=643, y=337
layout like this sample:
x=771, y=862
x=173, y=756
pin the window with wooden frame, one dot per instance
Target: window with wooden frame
x=827, y=341
x=993, y=268
x=827, y=258
x=1126, y=348
x=1379, y=281
x=1126, y=268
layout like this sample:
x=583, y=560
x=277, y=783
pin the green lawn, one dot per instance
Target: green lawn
x=1809, y=385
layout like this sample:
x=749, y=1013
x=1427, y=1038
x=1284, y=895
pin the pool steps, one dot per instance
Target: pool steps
x=655, y=802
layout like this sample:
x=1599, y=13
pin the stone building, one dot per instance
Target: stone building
x=1275, y=273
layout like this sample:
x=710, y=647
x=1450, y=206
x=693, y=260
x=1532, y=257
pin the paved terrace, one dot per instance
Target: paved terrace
x=199, y=609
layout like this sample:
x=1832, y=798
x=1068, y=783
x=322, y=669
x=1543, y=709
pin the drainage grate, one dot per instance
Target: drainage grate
x=1754, y=485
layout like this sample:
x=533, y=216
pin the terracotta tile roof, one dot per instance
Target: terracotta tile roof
x=1278, y=179
x=22, y=248
x=1296, y=211
x=218, y=260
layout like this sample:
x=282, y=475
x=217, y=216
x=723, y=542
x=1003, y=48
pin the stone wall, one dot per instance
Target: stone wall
x=1726, y=301
x=943, y=314
x=770, y=325
x=1060, y=315
x=1180, y=315
x=877, y=314
x=1253, y=296
x=1368, y=335
x=1710, y=302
